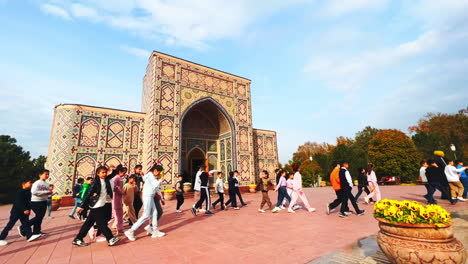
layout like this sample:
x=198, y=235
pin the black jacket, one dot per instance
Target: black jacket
x=232, y=184
x=204, y=179
x=343, y=181
x=95, y=188
x=76, y=189
x=22, y=200
x=362, y=180
x=435, y=175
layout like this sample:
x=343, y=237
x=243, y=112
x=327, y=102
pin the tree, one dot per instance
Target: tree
x=15, y=164
x=310, y=171
x=394, y=154
x=448, y=128
x=427, y=142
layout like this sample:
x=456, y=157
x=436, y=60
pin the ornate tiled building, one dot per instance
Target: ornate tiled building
x=190, y=115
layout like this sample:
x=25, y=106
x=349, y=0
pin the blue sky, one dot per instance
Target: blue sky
x=319, y=69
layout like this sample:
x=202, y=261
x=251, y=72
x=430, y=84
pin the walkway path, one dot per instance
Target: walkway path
x=243, y=236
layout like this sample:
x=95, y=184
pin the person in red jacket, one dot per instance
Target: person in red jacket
x=336, y=185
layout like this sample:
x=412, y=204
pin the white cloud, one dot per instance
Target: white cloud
x=54, y=10
x=182, y=22
x=335, y=8
x=81, y=11
x=136, y=51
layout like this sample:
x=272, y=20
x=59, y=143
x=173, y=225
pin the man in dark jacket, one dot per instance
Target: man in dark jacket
x=435, y=179
x=441, y=163
x=346, y=187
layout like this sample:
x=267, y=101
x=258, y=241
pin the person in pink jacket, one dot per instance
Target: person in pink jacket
x=373, y=185
x=298, y=192
x=117, y=205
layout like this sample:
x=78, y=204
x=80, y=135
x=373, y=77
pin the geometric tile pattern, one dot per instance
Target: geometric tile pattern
x=135, y=134
x=265, y=151
x=85, y=167
x=89, y=132
x=115, y=135
x=166, y=131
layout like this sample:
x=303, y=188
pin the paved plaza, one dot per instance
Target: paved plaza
x=243, y=236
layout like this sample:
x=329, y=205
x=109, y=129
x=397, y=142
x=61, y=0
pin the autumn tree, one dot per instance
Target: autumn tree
x=437, y=131
x=394, y=154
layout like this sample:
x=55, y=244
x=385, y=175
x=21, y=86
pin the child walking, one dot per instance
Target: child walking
x=179, y=193
x=84, y=191
x=49, y=202
x=98, y=199
x=117, y=207
x=76, y=195
x=282, y=189
x=40, y=191
x=20, y=211
x=137, y=202
x=232, y=191
x=362, y=184
x=298, y=192
x=204, y=195
x=219, y=189
x=128, y=198
x=263, y=184
x=151, y=188
x=373, y=184
x=453, y=178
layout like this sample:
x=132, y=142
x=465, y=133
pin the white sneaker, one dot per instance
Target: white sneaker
x=276, y=209
x=202, y=210
x=157, y=233
x=291, y=211
x=101, y=238
x=178, y=211
x=130, y=235
x=261, y=210
x=282, y=207
x=34, y=237
x=149, y=230
x=3, y=243
x=461, y=199
x=311, y=210
x=366, y=200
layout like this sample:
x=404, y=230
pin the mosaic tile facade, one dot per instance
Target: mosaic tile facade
x=84, y=137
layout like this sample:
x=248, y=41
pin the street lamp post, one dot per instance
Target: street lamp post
x=453, y=148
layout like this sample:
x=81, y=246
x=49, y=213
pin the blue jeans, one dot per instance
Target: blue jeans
x=49, y=207
x=282, y=194
x=464, y=181
x=77, y=203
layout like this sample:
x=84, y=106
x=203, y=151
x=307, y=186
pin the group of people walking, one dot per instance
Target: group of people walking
x=445, y=175
x=113, y=197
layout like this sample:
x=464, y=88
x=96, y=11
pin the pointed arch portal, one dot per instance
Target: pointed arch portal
x=208, y=137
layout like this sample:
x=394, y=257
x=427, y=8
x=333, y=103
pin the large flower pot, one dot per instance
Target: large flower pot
x=419, y=243
x=55, y=205
x=169, y=195
x=187, y=187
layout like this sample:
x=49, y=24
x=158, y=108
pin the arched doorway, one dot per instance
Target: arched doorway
x=206, y=129
x=195, y=158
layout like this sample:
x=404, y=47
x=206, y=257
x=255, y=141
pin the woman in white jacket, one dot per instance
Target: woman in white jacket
x=453, y=178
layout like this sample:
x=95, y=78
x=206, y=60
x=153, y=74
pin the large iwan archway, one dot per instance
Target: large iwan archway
x=206, y=138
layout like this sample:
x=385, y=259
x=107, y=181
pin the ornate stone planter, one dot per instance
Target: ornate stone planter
x=187, y=186
x=169, y=194
x=419, y=243
x=56, y=204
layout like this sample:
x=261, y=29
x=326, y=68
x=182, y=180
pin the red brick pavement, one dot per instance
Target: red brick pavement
x=243, y=236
